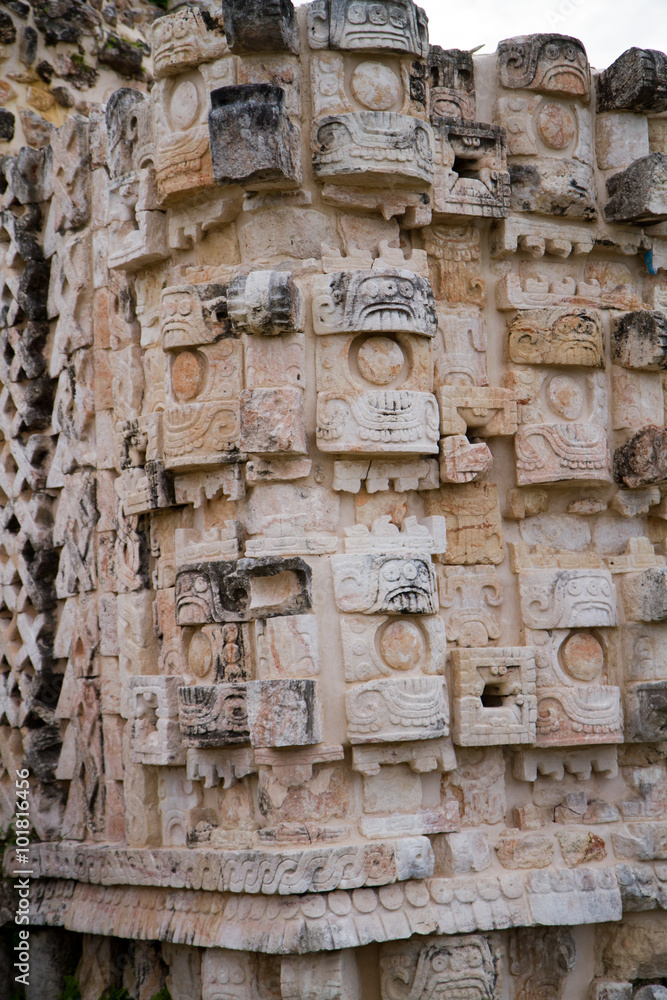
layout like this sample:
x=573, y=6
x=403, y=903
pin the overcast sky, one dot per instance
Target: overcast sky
x=606, y=27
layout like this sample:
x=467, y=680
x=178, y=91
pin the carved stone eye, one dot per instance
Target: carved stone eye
x=184, y=105
x=377, y=14
x=201, y=584
x=356, y=13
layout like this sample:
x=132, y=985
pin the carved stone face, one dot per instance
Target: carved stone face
x=444, y=970
x=363, y=24
x=181, y=317
x=195, y=601
x=404, y=585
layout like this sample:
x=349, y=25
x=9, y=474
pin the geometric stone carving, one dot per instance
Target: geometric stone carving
x=334, y=978
x=549, y=63
x=381, y=584
x=471, y=175
x=213, y=715
x=375, y=145
x=465, y=965
x=486, y=411
x=567, y=598
x=461, y=461
x=154, y=711
x=547, y=453
x=382, y=300
x=493, y=696
x=380, y=646
x=467, y=597
x=557, y=337
x=392, y=26
x=452, y=92
x=386, y=711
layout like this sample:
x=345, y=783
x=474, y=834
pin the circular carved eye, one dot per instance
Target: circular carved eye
x=555, y=125
x=402, y=645
x=380, y=360
x=184, y=105
x=200, y=656
x=201, y=584
x=582, y=656
x=565, y=397
x=376, y=86
x=188, y=375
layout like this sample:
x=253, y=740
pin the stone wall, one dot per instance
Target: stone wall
x=333, y=466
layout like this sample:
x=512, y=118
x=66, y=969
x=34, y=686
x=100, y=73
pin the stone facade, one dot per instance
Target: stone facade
x=333, y=487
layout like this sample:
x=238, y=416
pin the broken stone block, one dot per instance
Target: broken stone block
x=639, y=340
x=260, y=27
x=581, y=847
x=551, y=186
x=620, y=138
x=471, y=176
x=462, y=461
x=253, y=141
x=265, y=303
x=153, y=709
x=284, y=713
x=228, y=591
x=548, y=63
x=461, y=853
x=638, y=194
x=642, y=460
x=636, y=81
x=184, y=40
x=525, y=852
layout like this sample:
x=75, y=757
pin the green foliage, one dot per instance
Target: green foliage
x=162, y=994
x=162, y=4
x=71, y=989
x=116, y=994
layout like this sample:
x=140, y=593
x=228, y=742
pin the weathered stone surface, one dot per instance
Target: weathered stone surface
x=643, y=459
x=639, y=340
x=494, y=697
x=636, y=81
x=260, y=27
x=637, y=195
x=557, y=337
x=549, y=63
x=393, y=26
x=242, y=590
x=452, y=84
x=373, y=147
x=253, y=141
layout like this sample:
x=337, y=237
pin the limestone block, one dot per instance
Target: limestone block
x=636, y=400
x=240, y=591
x=284, y=713
x=411, y=474
x=383, y=711
x=581, y=762
x=452, y=92
x=517, y=292
x=422, y=757
x=386, y=421
x=641, y=841
x=493, y=696
x=213, y=715
x=636, y=81
x=551, y=186
x=394, y=26
x=377, y=646
x=272, y=420
x=253, y=141
x=384, y=537
x=154, y=711
x=259, y=27
x=637, y=194
x=557, y=337
x=463, y=852
x=549, y=63
x=219, y=767
x=642, y=460
x=567, y=598
x=639, y=340
x=440, y=966
x=287, y=647
x=461, y=461
x=645, y=594
x=532, y=851
x=184, y=40
x=455, y=270
x=620, y=138
x=393, y=583
x=333, y=977
x=265, y=303
x=471, y=176
x=372, y=147
x=474, y=525
x=646, y=711
x=468, y=597
x=483, y=410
